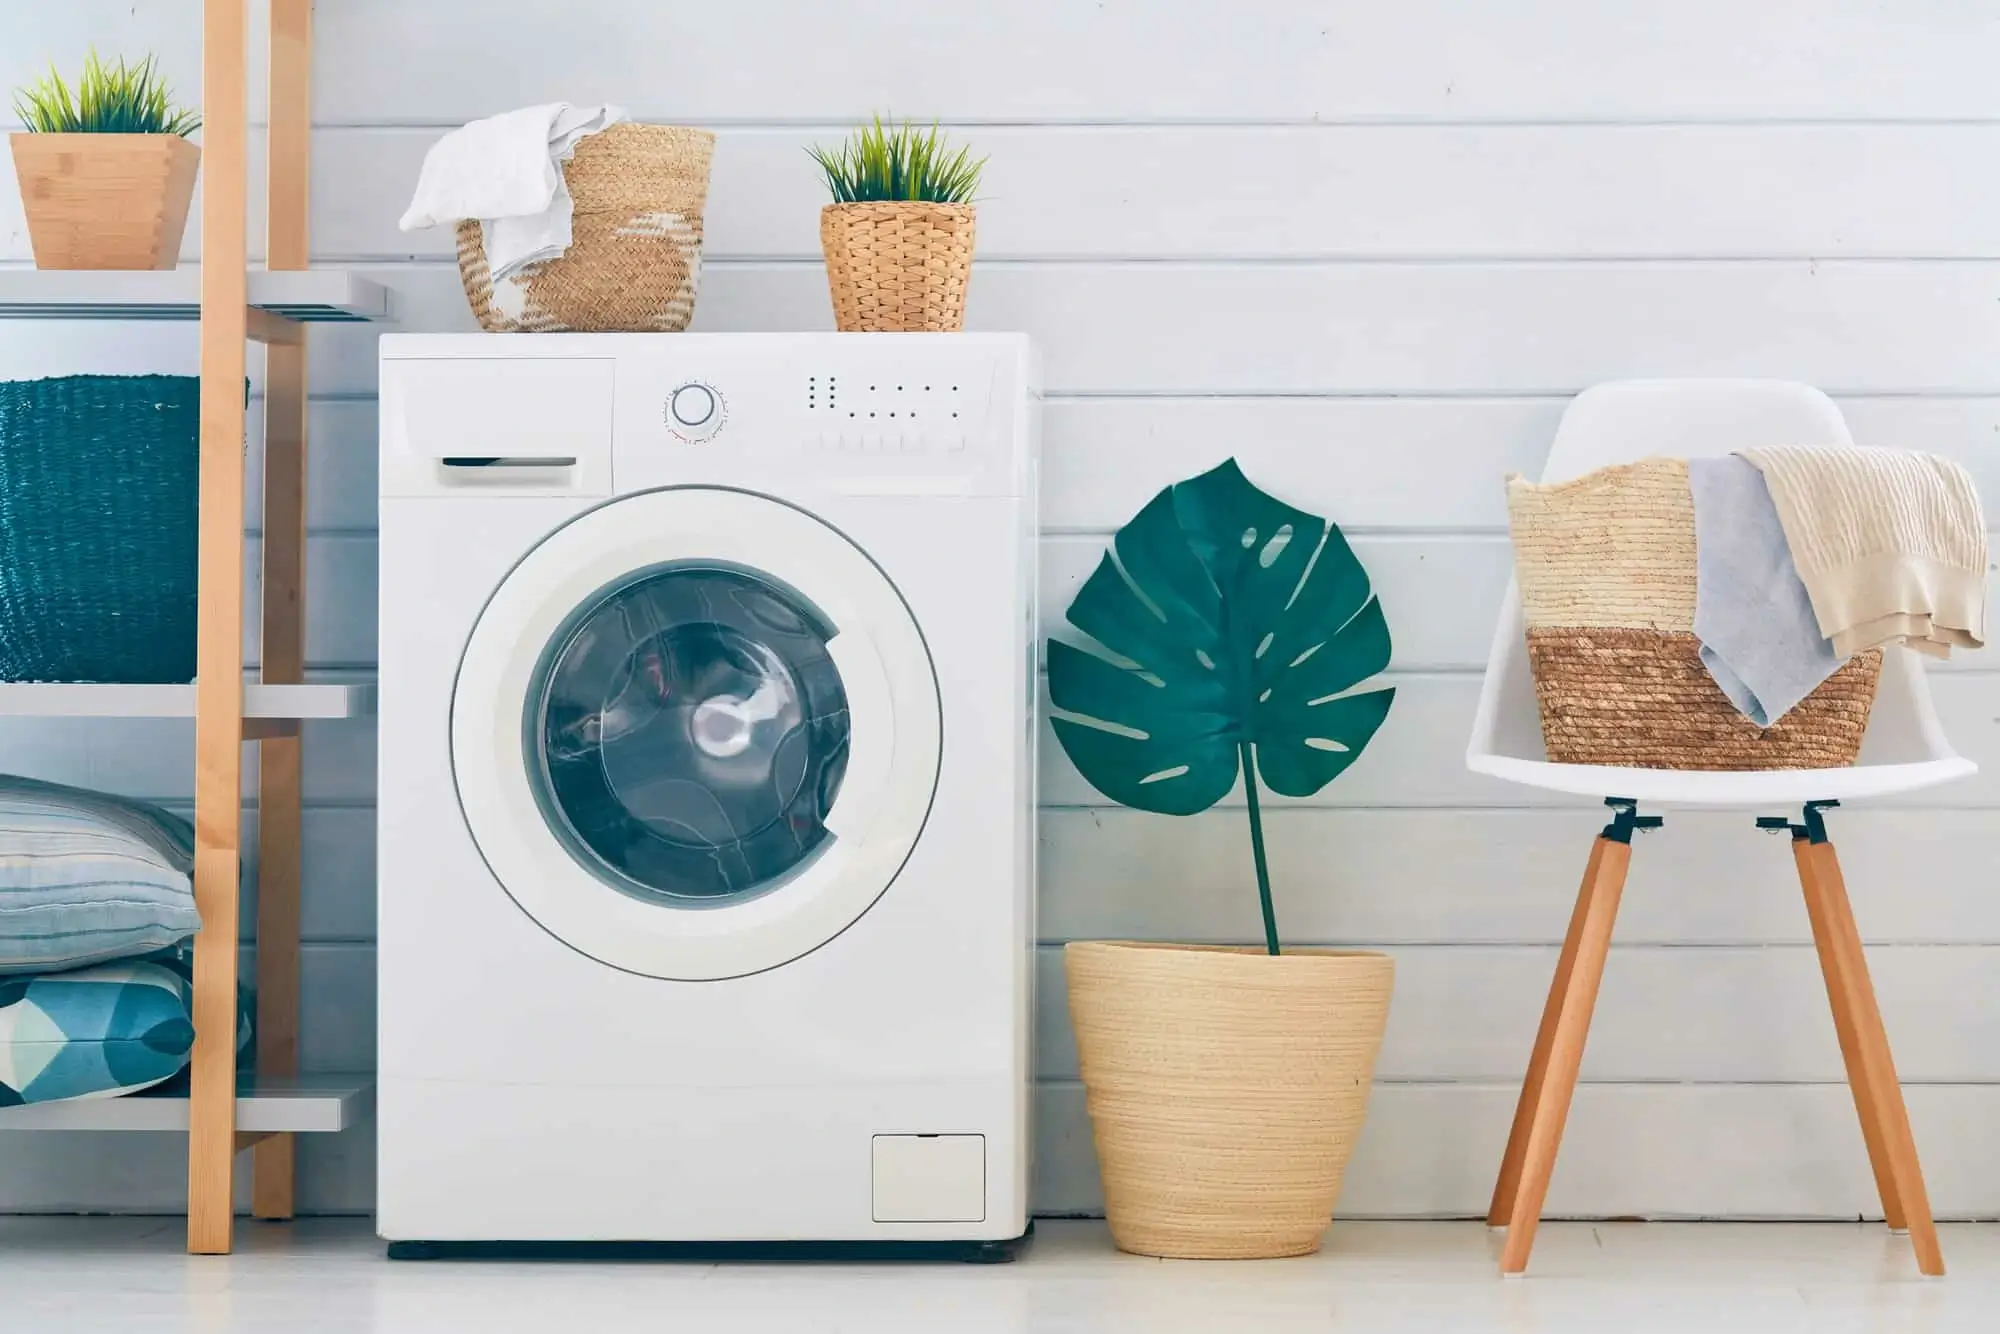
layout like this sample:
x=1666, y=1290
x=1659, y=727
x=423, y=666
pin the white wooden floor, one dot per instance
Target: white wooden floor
x=129, y=1275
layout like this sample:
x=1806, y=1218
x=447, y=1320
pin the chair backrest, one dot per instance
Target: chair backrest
x=1627, y=420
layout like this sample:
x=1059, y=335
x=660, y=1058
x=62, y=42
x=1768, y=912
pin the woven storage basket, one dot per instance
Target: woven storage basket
x=634, y=258
x=1226, y=1088
x=1606, y=567
x=99, y=487
x=897, y=266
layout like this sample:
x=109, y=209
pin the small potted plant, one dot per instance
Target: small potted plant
x=106, y=170
x=898, y=234
x=1226, y=1085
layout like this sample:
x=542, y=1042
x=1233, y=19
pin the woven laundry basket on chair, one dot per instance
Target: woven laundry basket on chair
x=634, y=259
x=1606, y=568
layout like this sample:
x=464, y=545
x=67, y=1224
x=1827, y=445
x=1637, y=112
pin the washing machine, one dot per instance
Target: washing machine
x=706, y=828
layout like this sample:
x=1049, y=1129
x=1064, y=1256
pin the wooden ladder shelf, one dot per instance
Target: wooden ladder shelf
x=234, y=306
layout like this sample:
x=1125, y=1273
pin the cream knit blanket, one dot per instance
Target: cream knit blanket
x=1890, y=544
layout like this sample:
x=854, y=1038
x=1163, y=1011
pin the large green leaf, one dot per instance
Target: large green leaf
x=1221, y=618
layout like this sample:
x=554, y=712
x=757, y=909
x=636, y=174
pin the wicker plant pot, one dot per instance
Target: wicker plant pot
x=105, y=201
x=1226, y=1088
x=897, y=266
x=634, y=260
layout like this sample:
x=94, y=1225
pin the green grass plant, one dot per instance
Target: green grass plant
x=108, y=99
x=883, y=162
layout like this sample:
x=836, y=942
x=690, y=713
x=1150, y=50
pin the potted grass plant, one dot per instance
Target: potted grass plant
x=1227, y=633
x=106, y=169
x=898, y=234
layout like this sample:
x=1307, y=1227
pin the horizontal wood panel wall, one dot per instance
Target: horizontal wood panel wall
x=1369, y=251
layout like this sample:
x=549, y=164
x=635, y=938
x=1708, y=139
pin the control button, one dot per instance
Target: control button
x=695, y=411
x=693, y=404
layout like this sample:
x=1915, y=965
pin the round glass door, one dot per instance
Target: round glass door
x=690, y=734
x=695, y=733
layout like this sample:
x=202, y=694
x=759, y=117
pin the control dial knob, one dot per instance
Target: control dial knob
x=695, y=411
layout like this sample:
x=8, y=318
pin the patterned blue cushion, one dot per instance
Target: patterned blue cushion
x=93, y=1032
x=86, y=877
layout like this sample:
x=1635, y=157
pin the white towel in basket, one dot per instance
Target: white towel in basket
x=504, y=171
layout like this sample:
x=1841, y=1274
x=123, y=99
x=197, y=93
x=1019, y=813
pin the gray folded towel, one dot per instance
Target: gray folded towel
x=1759, y=637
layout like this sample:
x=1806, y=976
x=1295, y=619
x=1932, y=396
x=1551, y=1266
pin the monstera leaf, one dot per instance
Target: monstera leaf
x=1230, y=630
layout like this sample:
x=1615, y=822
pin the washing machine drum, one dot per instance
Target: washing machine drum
x=695, y=733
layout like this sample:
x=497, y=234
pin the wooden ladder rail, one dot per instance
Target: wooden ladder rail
x=220, y=731
x=279, y=768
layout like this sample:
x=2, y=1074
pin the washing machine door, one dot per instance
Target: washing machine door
x=696, y=733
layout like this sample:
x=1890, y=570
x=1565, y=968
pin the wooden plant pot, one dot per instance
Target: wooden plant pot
x=105, y=201
x=897, y=266
x=1226, y=1088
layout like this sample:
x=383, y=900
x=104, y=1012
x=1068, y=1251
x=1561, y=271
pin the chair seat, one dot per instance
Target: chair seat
x=1729, y=789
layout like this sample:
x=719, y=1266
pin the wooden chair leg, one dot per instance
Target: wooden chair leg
x=1882, y=1088
x=1565, y=1054
x=1840, y=999
x=1509, y=1183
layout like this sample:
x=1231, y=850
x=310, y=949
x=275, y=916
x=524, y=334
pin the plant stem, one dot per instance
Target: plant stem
x=1257, y=849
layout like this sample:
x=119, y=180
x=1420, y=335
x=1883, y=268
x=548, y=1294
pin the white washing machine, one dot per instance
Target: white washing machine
x=707, y=787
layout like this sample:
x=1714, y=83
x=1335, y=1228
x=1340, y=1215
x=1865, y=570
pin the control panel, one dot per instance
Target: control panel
x=870, y=416
x=916, y=409
x=592, y=415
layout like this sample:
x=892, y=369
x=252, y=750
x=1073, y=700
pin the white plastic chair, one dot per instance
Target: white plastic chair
x=1903, y=749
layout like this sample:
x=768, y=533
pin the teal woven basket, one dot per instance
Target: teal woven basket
x=99, y=487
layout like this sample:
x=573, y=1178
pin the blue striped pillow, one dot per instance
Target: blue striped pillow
x=86, y=877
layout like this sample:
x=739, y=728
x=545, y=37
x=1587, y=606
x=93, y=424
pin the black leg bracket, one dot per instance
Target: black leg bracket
x=1626, y=820
x=1811, y=826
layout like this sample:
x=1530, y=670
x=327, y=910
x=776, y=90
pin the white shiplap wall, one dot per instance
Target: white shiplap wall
x=1369, y=250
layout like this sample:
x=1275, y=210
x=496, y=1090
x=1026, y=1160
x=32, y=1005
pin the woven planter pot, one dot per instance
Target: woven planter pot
x=898, y=266
x=105, y=201
x=634, y=260
x=1226, y=1088
x=1606, y=568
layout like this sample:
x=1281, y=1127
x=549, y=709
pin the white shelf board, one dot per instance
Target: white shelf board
x=62, y=699
x=310, y=296
x=311, y=1104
